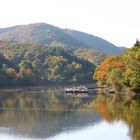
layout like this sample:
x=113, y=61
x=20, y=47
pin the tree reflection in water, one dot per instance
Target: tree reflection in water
x=115, y=108
x=42, y=113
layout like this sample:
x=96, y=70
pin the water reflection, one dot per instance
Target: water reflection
x=41, y=100
x=117, y=108
x=42, y=113
x=102, y=131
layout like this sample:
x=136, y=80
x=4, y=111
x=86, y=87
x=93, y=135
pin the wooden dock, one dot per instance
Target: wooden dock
x=81, y=91
x=85, y=91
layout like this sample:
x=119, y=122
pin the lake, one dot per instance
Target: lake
x=43, y=113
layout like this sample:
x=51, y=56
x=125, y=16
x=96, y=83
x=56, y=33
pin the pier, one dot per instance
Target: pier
x=84, y=91
x=81, y=91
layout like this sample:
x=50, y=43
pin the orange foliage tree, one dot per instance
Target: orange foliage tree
x=12, y=73
x=105, y=69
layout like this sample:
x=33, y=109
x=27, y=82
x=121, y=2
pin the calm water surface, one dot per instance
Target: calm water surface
x=46, y=114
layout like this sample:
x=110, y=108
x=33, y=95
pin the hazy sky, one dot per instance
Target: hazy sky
x=117, y=21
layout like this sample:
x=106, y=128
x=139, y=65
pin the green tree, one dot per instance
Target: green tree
x=25, y=65
x=132, y=72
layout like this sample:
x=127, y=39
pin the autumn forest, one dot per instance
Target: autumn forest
x=121, y=71
x=28, y=64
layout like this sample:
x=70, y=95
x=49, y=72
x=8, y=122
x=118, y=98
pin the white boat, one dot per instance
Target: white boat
x=79, y=89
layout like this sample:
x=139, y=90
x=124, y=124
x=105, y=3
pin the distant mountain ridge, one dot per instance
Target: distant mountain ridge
x=95, y=42
x=46, y=34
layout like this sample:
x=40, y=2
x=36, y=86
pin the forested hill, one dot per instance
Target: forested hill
x=45, y=34
x=95, y=42
x=29, y=64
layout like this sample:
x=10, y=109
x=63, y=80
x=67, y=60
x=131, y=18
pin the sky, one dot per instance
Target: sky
x=116, y=21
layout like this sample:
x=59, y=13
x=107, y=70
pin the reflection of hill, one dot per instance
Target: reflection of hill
x=44, y=114
x=45, y=123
